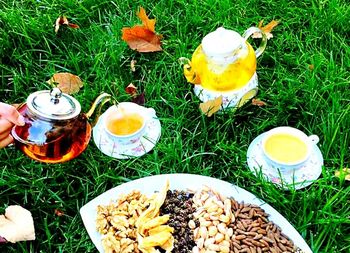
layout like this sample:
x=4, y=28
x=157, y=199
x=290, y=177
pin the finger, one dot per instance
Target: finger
x=11, y=114
x=5, y=125
x=6, y=141
x=3, y=135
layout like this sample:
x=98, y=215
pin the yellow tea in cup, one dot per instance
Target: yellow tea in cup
x=285, y=148
x=124, y=123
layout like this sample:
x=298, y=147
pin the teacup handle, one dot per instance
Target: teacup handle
x=249, y=32
x=313, y=139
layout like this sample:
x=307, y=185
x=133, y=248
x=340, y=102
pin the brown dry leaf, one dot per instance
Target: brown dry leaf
x=258, y=102
x=266, y=29
x=59, y=212
x=143, y=38
x=345, y=172
x=132, y=65
x=62, y=20
x=211, y=106
x=311, y=67
x=66, y=82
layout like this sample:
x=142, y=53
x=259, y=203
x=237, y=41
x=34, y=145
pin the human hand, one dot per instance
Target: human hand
x=9, y=116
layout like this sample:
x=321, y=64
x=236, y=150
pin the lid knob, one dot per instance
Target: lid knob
x=55, y=95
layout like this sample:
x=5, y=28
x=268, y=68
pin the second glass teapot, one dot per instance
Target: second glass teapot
x=224, y=63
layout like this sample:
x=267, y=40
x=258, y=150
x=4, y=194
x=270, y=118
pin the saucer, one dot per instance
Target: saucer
x=145, y=144
x=298, y=179
x=230, y=99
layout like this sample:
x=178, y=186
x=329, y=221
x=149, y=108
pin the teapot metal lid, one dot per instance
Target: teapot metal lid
x=53, y=105
x=222, y=42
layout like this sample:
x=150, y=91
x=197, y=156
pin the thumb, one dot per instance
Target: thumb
x=10, y=113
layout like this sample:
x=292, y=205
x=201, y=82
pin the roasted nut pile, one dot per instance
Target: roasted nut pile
x=254, y=233
x=199, y=222
x=116, y=222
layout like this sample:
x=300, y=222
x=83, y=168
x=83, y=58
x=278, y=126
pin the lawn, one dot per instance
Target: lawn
x=303, y=78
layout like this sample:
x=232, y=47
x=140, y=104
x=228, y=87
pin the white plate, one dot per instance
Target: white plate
x=149, y=185
x=298, y=179
x=115, y=150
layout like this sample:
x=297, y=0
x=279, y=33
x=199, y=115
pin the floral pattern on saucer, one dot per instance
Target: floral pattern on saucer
x=300, y=178
x=139, y=147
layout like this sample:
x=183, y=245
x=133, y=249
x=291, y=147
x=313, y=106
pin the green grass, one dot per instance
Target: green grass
x=316, y=101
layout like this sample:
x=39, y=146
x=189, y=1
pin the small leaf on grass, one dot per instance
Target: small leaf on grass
x=311, y=67
x=211, y=106
x=59, y=212
x=345, y=172
x=142, y=38
x=131, y=89
x=266, y=29
x=66, y=82
x=62, y=20
x=139, y=99
x=132, y=65
x=258, y=102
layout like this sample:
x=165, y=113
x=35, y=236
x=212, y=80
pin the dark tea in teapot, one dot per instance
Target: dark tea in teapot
x=52, y=141
x=55, y=129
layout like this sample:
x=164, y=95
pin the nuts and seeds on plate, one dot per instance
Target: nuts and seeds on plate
x=187, y=222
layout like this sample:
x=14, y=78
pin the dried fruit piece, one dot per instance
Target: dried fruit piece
x=17, y=224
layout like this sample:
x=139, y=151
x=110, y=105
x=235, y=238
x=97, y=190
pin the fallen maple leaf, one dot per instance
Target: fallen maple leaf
x=258, y=102
x=266, y=29
x=66, y=82
x=143, y=38
x=62, y=20
x=345, y=172
x=211, y=106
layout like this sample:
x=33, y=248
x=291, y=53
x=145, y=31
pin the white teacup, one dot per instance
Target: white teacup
x=287, y=148
x=125, y=123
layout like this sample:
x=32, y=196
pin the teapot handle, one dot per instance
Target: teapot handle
x=249, y=32
x=99, y=101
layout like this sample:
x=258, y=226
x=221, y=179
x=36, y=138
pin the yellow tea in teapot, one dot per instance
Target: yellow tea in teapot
x=222, y=77
x=124, y=124
x=285, y=148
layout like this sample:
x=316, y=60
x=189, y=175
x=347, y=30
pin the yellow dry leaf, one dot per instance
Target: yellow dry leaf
x=211, y=106
x=266, y=29
x=345, y=172
x=66, y=82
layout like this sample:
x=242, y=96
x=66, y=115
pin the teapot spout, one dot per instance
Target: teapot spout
x=189, y=72
x=99, y=101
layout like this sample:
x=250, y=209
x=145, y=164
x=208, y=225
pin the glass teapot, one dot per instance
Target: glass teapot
x=224, y=61
x=55, y=130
